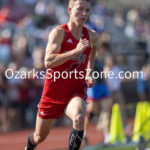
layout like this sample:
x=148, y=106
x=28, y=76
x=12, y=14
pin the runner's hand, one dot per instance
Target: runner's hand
x=82, y=45
x=90, y=81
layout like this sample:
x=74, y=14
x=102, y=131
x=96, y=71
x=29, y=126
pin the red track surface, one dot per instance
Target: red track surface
x=57, y=139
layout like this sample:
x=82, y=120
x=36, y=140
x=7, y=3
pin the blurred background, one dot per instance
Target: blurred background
x=24, y=29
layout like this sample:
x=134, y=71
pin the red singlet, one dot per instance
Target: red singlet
x=57, y=94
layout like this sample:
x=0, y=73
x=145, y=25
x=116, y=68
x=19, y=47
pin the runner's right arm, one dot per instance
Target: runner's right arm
x=52, y=56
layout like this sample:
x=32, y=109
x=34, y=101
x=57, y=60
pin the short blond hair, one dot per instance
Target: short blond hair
x=71, y=2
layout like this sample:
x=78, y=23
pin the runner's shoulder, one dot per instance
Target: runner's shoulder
x=58, y=32
x=93, y=34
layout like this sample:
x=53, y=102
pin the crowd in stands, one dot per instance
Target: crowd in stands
x=24, y=30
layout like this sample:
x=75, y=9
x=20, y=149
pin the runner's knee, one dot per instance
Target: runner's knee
x=79, y=122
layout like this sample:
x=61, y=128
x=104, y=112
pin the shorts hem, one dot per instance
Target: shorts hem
x=47, y=117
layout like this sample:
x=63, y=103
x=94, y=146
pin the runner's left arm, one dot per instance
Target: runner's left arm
x=94, y=42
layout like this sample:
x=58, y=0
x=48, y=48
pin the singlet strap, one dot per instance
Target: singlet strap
x=65, y=27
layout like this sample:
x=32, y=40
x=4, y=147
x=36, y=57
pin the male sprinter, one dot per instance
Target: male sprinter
x=70, y=47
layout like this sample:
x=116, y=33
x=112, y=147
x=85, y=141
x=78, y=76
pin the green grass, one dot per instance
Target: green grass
x=113, y=148
x=117, y=148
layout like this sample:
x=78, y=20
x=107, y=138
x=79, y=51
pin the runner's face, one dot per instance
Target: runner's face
x=80, y=11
